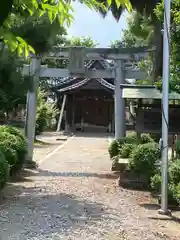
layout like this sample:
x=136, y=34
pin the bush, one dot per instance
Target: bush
x=21, y=144
x=155, y=183
x=131, y=138
x=155, y=137
x=9, y=153
x=176, y=193
x=146, y=138
x=45, y=112
x=11, y=144
x=126, y=150
x=174, y=171
x=114, y=148
x=177, y=148
x=4, y=171
x=173, y=182
x=173, y=190
x=144, y=158
x=14, y=131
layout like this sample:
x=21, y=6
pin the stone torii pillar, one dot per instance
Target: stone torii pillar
x=119, y=102
x=31, y=110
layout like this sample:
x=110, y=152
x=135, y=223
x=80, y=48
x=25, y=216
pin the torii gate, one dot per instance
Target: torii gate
x=77, y=57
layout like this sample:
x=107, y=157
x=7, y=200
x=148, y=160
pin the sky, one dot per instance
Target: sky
x=91, y=23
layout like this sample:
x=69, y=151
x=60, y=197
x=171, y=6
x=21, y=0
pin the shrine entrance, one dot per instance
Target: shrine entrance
x=90, y=110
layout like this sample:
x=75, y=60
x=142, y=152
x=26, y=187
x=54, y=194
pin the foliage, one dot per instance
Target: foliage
x=64, y=42
x=14, y=131
x=173, y=182
x=126, y=150
x=174, y=171
x=4, y=171
x=82, y=41
x=146, y=138
x=138, y=34
x=13, y=85
x=45, y=112
x=16, y=11
x=144, y=159
x=18, y=154
x=16, y=144
x=177, y=148
x=114, y=148
x=131, y=138
x=176, y=193
x=9, y=153
x=40, y=33
x=156, y=181
x=174, y=44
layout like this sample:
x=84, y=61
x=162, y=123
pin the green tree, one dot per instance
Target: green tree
x=46, y=112
x=147, y=9
x=12, y=10
x=65, y=42
x=138, y=34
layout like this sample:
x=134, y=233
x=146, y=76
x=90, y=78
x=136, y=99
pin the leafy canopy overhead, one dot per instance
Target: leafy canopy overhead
x=19, y=10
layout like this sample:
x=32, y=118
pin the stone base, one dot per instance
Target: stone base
x=165, y=213
x=128, y=179
x=30, y=164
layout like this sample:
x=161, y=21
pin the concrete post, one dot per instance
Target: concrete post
x=31, y=110
x=119, y=102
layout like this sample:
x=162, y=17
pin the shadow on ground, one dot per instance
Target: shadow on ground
x=78, y=174
x=32, y=212
x=93, y=134
x=155, y=207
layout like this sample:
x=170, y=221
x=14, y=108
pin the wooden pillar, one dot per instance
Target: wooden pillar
x=61, y=113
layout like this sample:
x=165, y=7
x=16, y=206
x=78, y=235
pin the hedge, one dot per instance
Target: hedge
x=4, y=170
x=144, y=159
x=13, y=144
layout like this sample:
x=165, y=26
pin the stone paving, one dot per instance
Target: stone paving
x=51, y=141
x=74, y=196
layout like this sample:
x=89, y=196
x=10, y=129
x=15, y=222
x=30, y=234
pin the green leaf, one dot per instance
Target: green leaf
x=109, y=2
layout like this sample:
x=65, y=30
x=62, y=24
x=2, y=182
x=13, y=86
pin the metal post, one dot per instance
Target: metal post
x=31, y=109
x=165, y=109
x=119, y=103
x=61, y=113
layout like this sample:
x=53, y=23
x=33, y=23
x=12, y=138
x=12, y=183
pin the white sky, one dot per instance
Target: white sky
x=91, y=23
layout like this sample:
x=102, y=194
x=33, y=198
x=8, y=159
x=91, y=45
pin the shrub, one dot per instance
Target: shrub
x=174, y=171
x=4, y=170
x=114, y=148
x=45, y=112
x=176, y=193
x=146, y=138
x=14, y=131
x=21, y=142
x=144, y=158
x=17, y=145
x=9, y=153
x=131, y=138
x=155, y=183
x=155, y=137
x=126, y=150
x=177, y=148
x=173, y=193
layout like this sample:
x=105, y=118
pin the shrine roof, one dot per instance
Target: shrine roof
x=133, y=91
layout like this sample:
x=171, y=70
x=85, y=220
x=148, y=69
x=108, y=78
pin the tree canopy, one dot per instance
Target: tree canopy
x=12, y=11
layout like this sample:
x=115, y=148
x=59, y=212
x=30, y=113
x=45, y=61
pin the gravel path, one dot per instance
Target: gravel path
x=73, y=195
